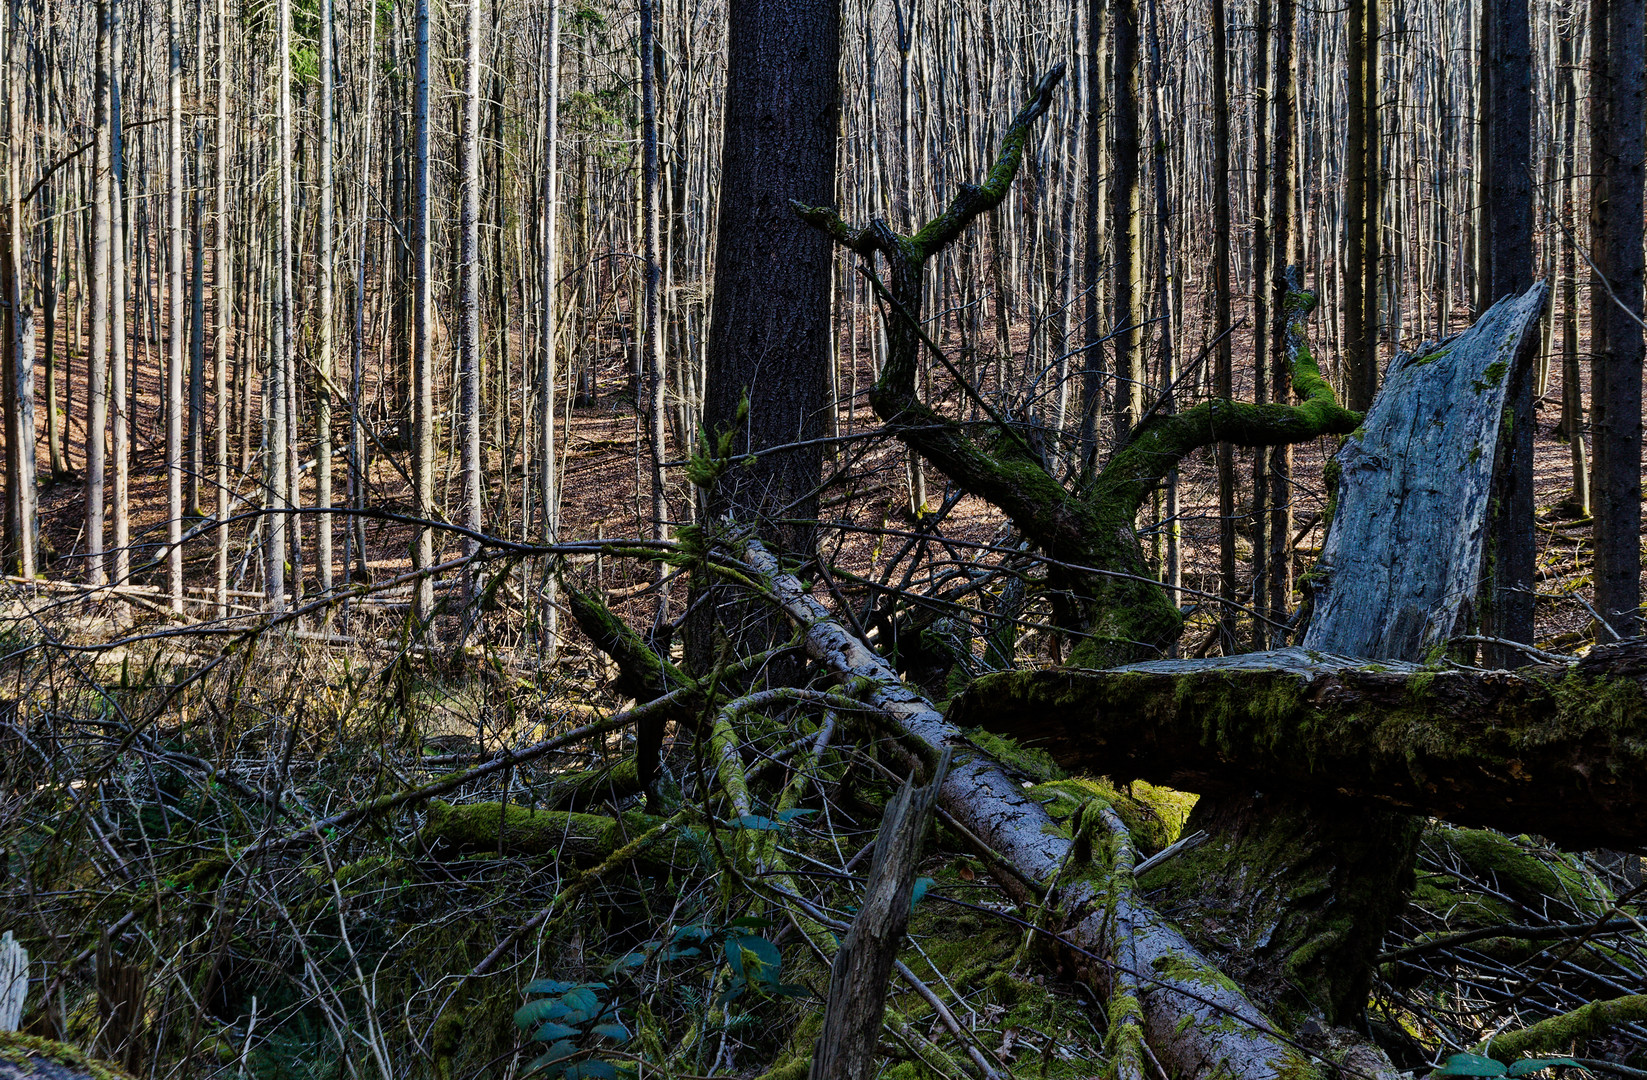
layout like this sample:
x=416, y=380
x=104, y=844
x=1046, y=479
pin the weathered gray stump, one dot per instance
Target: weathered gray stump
x=846, y=1047
x=1294, y=891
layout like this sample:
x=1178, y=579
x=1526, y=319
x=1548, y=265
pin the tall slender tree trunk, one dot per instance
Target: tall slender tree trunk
x=548, y=495
x=1223, y=363
x=1092, y=353
x=1509, y=612
x=327, y=257
x=1284, y=237
x=277, y=476
x=423, y=393
x=176, y=330
x=469, y=298
x=21, y=504
x=97, y=405
x=223, y=315
x=1126, y=308
x=657, y=418
x=119, y=409
x=1617, y=144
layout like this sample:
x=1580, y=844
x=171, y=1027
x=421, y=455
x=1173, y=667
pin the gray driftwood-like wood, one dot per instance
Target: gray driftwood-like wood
x=1403, y=560
x=846, y=1046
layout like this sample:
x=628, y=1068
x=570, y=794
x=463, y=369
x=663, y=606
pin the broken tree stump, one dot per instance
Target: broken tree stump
x=846, y=1046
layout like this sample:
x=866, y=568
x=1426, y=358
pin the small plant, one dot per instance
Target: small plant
x=571, y=1018
x=1476, y=1065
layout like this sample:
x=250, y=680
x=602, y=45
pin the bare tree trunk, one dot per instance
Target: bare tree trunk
x=1283, y=234
x=119, y=407
x=1616, y=153
x=22, y=501
x=176, y=331
x=323, y=361
x=1126, y=309
x=548, y=495
x=423, y=391
x=97, y=405
x=276, y=477
x=1223, y=364
x=652, y=346
x=469, y=300
x=223, y=316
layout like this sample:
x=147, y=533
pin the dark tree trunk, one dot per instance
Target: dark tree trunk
x=769, y=328
x=1616, y=151
x=1507, y=612
x=769, y=334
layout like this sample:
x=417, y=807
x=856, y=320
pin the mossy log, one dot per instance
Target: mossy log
x=1555, y=750
x=1559, y=1032
x=520, y=830
x=28, y=1057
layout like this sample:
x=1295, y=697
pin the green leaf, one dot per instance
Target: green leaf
x=558, y=1052
x=921, y=886
x=613, y=1030
x=1528, y=1066
x=786, y=816
x=755, y=958
x=535, y=1012
x=1470, y=1065
x=593, y=1069
x=553, y=1031
x=755, y=823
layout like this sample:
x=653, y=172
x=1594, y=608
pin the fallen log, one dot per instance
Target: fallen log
x=1556, y=750
x=1195, y=1018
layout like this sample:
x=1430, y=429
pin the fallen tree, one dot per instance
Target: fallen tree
x=1559, y=750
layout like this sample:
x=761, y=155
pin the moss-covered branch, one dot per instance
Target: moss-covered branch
x=1560, y=751
x=1161, y=444
x=1560, y=1032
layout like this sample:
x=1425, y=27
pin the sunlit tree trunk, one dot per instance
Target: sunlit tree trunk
x=423, y=393
x=97, y=405
x=176, y=331
x=469, y=295
x=323, y=360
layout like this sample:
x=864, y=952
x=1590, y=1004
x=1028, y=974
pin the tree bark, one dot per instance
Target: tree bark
x=768, y=353
x=1616, y=307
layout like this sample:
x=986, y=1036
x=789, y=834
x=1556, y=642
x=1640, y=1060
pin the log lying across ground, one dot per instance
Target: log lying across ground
x=1197, y=1020
x=1556, y=750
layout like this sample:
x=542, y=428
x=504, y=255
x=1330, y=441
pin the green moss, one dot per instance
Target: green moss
x=28, y=1051
x=1036, y=764
x=1528, y=877
x=1196, y=974
x=1492, y=376
x=478, y=827
x=1154, y=815
x=795, y=1068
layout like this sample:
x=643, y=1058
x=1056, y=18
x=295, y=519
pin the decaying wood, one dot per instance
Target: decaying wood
x=1403, y=558
x=851, y=1032
x=1555, y=750
x=25, y=1057
x=1196, y=1021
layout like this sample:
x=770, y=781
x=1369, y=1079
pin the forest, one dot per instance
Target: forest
x=833, y=539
